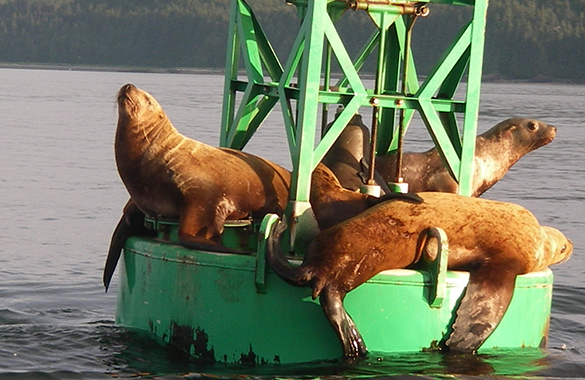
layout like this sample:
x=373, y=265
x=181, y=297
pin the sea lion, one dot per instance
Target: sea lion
x=348, y=157
x=333, y=204
x=495, y=152
x=170, y=175
x=495, y=241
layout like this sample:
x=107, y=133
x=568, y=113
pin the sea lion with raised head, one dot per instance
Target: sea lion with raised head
x=495, y=152
x=170, y=175
x=331, y=205
x=348, y=157
x=494, y=241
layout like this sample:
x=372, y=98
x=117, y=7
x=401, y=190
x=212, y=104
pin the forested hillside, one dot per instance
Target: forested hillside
x=525, y=39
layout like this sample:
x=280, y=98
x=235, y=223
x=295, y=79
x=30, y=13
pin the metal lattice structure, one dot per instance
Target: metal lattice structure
x=303, y=85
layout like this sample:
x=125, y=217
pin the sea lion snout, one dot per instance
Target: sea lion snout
x=132, y=102
x=126, y=105
x=126, y=88
x=548, y=131
x=124, y=93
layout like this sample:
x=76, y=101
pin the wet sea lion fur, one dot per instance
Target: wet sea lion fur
x=494, y=241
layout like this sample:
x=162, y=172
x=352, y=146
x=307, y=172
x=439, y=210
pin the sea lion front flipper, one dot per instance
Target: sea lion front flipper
x=202, y=231
x=364, y=176
x=486, y=299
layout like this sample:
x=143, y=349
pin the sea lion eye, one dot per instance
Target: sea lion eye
x=564, y=248
x=532, y=126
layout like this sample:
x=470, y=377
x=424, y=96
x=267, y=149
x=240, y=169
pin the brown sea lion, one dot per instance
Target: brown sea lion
x=330, y=202
x=333, y=204
x=170, y=175
x=348, y=156
x=494, y=241
x=495, y=152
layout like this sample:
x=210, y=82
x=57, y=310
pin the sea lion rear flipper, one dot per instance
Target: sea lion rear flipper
x=486, y=299
x=131, y=224
x=121, y=233
x=332, y=303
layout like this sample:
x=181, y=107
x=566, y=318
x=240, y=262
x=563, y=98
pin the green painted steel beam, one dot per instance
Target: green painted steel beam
x=472, y=96
x=231, y=75
x=249, y=40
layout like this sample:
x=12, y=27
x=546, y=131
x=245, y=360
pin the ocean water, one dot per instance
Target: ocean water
x=60, y=198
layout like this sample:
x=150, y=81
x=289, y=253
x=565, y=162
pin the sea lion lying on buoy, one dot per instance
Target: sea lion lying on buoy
x=170, y=175
x=333, y=204
x=494, y=241
x=495, y=152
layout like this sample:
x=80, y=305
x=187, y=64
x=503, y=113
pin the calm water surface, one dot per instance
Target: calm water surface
x=61, y=198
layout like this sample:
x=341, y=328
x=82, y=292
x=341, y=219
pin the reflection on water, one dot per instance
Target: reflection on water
x=61, y=198
x=137, y=352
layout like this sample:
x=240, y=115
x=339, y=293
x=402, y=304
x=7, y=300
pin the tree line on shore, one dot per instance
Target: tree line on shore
x=525, y=39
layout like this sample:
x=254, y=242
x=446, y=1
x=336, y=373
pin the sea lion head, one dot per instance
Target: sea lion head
x=528, y=133
x=557, y=248
x=136, y=104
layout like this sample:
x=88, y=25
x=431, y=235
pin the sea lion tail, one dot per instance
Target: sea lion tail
x=294, y=275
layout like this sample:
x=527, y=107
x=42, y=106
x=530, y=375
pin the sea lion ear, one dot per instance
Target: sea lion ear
x=511, y=127
x=532, y=126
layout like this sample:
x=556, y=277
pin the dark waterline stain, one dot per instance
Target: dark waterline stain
x=185, y=337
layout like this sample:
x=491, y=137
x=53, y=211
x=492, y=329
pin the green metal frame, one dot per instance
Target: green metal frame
x=302, y=87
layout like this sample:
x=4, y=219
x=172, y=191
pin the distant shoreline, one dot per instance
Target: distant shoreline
x=121, y=69
x=487, y=78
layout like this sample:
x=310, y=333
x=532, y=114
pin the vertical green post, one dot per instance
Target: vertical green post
x=309, y=79
x=472, y=96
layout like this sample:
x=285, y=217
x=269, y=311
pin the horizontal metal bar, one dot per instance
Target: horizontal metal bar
x=377, y=4
x=393, y=101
